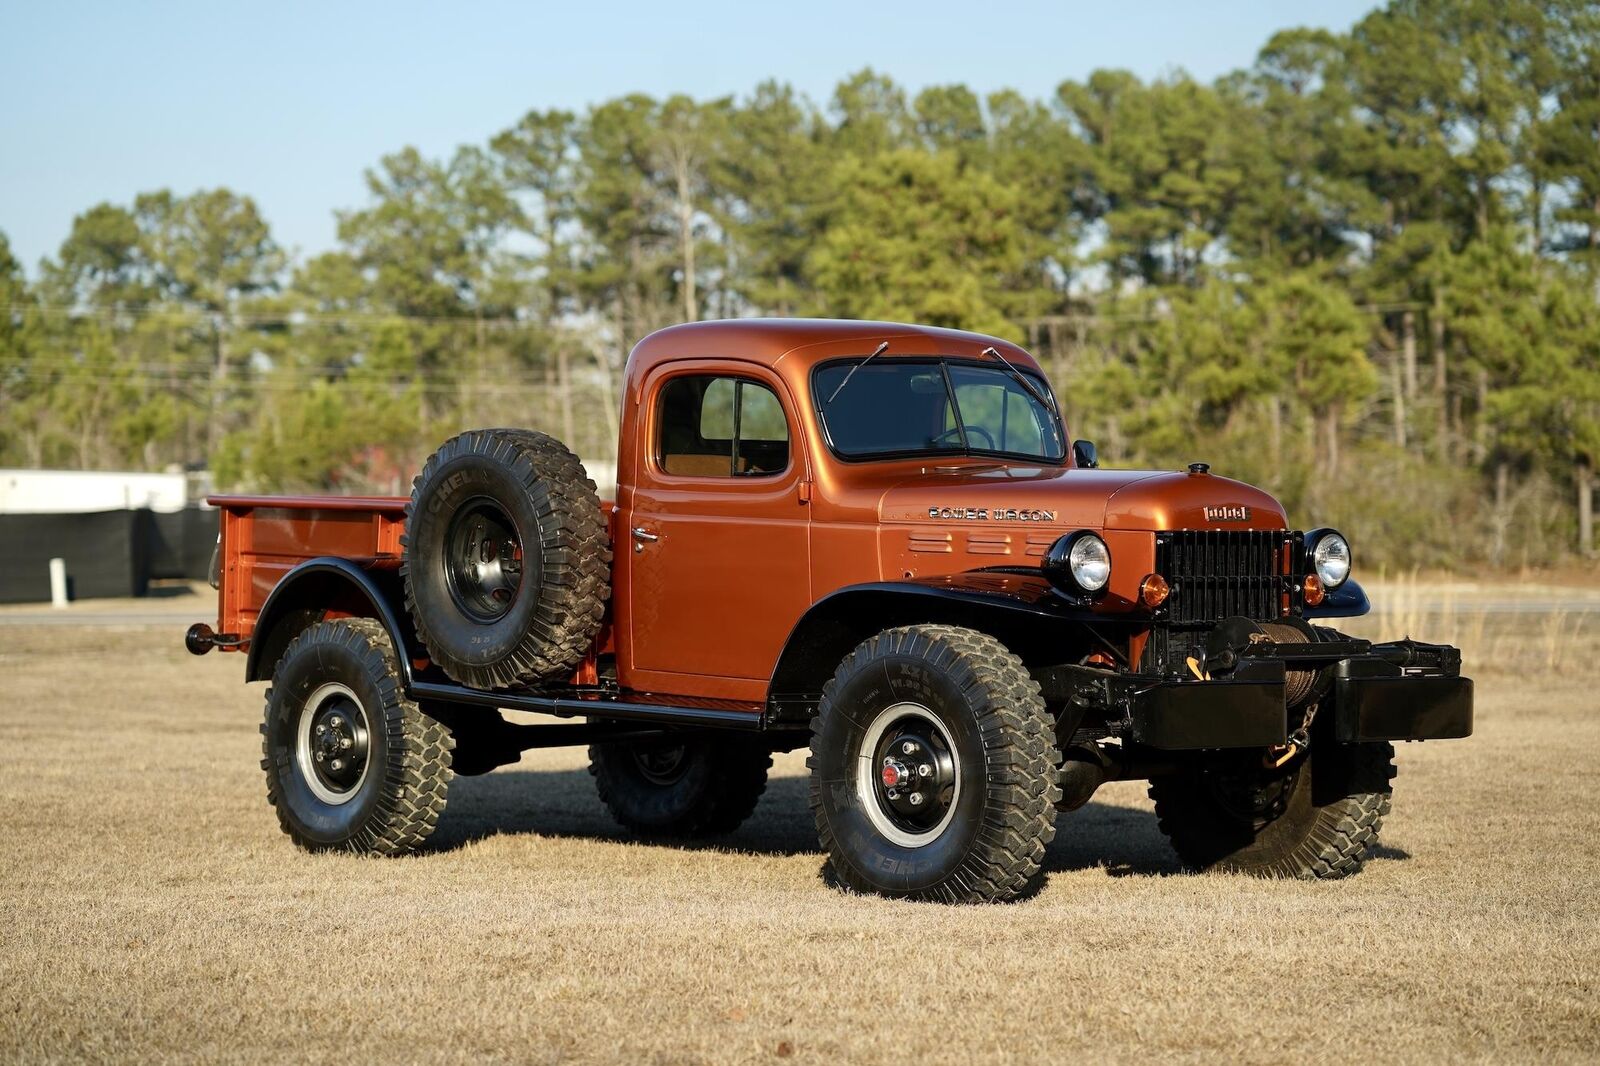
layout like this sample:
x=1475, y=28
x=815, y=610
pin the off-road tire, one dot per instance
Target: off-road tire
x=1333, y=811
x=993, y=717
x=709, y=793
x=402, y=794
x=550, y=624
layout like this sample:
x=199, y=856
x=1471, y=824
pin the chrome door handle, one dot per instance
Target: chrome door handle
x=640, y=535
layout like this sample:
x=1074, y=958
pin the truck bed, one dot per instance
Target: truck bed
x=264, y=537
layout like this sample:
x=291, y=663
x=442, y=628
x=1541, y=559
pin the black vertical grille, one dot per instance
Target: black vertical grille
x=1223, y=572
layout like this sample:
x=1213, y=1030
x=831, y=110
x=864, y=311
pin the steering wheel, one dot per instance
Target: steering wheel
x=955, y=434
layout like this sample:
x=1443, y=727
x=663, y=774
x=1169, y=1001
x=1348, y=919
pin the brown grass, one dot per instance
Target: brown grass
x=153, y=911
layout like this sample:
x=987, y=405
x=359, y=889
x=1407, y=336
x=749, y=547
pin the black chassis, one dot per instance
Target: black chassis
x=1403, y=690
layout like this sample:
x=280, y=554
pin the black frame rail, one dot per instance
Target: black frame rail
x=568, y=706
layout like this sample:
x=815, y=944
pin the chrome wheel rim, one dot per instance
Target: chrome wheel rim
x=908, y=775
x=333, y=743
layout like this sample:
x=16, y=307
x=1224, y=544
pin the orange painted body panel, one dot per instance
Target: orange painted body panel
x=707, y=607
x=704, y=609
x=264, y=537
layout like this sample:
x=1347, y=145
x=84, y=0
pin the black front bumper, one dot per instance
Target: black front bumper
x=1368, y=694
x=1185, y=715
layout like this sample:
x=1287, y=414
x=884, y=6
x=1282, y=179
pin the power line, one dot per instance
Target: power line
x=290, y=317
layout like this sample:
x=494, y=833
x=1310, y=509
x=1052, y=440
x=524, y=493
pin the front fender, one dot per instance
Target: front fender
x=1020, y=609
x=320, y=588
x=1349, y=600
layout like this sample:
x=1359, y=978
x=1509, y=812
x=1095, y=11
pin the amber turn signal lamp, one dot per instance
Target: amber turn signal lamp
x=1314, y=592
x=1153, y=590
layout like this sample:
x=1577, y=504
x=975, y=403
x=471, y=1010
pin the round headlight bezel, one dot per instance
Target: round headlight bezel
x=1323, y=552
x=1072, y=561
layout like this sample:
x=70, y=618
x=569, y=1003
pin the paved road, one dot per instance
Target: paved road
x=1516, y=606
x=70, y=617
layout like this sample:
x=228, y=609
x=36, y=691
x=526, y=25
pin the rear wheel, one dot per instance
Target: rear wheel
x=1316, y=819
x=934, y=768
x=680, y=786
x=351, y=763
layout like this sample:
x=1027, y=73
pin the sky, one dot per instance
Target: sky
x=290, y=102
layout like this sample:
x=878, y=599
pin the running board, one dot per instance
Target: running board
x=567, y=707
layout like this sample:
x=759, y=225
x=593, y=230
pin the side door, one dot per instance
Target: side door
x=716, y=542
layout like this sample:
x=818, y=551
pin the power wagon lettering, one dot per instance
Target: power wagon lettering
x=984, y=514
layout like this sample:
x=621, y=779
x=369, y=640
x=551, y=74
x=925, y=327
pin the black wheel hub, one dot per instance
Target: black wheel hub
x=916, y=777
x=662, y=765
x=339, y=744
x=1254, y=796
x=483, y=560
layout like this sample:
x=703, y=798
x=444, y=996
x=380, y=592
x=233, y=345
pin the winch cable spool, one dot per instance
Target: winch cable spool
x=1298, y=685
x=1232, y=636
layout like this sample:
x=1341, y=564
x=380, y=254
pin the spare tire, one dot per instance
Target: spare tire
x=507, y=562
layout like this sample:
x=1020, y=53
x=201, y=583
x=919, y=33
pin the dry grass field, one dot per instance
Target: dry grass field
x=151, y=910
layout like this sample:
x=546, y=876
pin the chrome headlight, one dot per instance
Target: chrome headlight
x=1078, y=562
x=1330, y=557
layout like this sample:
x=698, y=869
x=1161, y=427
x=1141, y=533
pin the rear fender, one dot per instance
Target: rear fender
x=1020, y=610
x=325, y=588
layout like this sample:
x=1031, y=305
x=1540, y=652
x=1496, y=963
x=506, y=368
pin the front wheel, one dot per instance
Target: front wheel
x=934, y=768
x=351, y=763
x=1316, y=819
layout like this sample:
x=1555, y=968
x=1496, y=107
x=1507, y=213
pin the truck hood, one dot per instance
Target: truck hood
x=1078, y=499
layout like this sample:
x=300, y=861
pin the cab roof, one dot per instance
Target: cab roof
x=767, y=340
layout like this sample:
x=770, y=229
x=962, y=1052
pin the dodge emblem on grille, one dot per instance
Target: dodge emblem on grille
x=1228, y=513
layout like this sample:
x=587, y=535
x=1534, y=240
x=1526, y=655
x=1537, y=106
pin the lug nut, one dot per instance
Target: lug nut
x=345, y=742
x=321, y=729
x=319, y=756
x=916, y=798
x=908, y=747
x=337, y=764
x=336, y=721
x=924, y=770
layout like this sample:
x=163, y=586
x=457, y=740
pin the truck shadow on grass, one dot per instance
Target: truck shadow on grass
x=562, y=803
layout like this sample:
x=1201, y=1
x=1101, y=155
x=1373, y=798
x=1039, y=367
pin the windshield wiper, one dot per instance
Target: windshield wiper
x=879, y=351
x=1022, y=379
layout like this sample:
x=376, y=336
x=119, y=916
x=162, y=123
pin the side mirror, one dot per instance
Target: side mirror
x=1084, y=455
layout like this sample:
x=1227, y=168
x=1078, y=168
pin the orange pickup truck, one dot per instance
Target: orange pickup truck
x=867, y=538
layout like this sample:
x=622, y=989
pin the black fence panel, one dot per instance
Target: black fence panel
x=179, y=544
x=108, y=553
x=104, y=552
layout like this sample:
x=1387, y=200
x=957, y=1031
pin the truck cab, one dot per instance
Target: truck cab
x=767, y=464
x=878, y=540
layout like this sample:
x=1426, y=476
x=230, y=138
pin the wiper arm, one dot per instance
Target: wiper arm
x=879, y=351
x=1022, y=379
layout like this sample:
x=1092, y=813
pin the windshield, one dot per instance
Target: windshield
x=929, y=406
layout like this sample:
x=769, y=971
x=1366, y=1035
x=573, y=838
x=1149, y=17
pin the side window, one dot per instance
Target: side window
x=721, y=427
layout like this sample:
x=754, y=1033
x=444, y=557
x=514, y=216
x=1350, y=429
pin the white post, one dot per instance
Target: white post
x=58, y=582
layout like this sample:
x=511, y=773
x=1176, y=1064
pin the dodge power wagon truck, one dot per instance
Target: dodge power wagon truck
x=870, y=539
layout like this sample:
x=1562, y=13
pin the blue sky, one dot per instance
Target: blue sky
x=289, y=102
